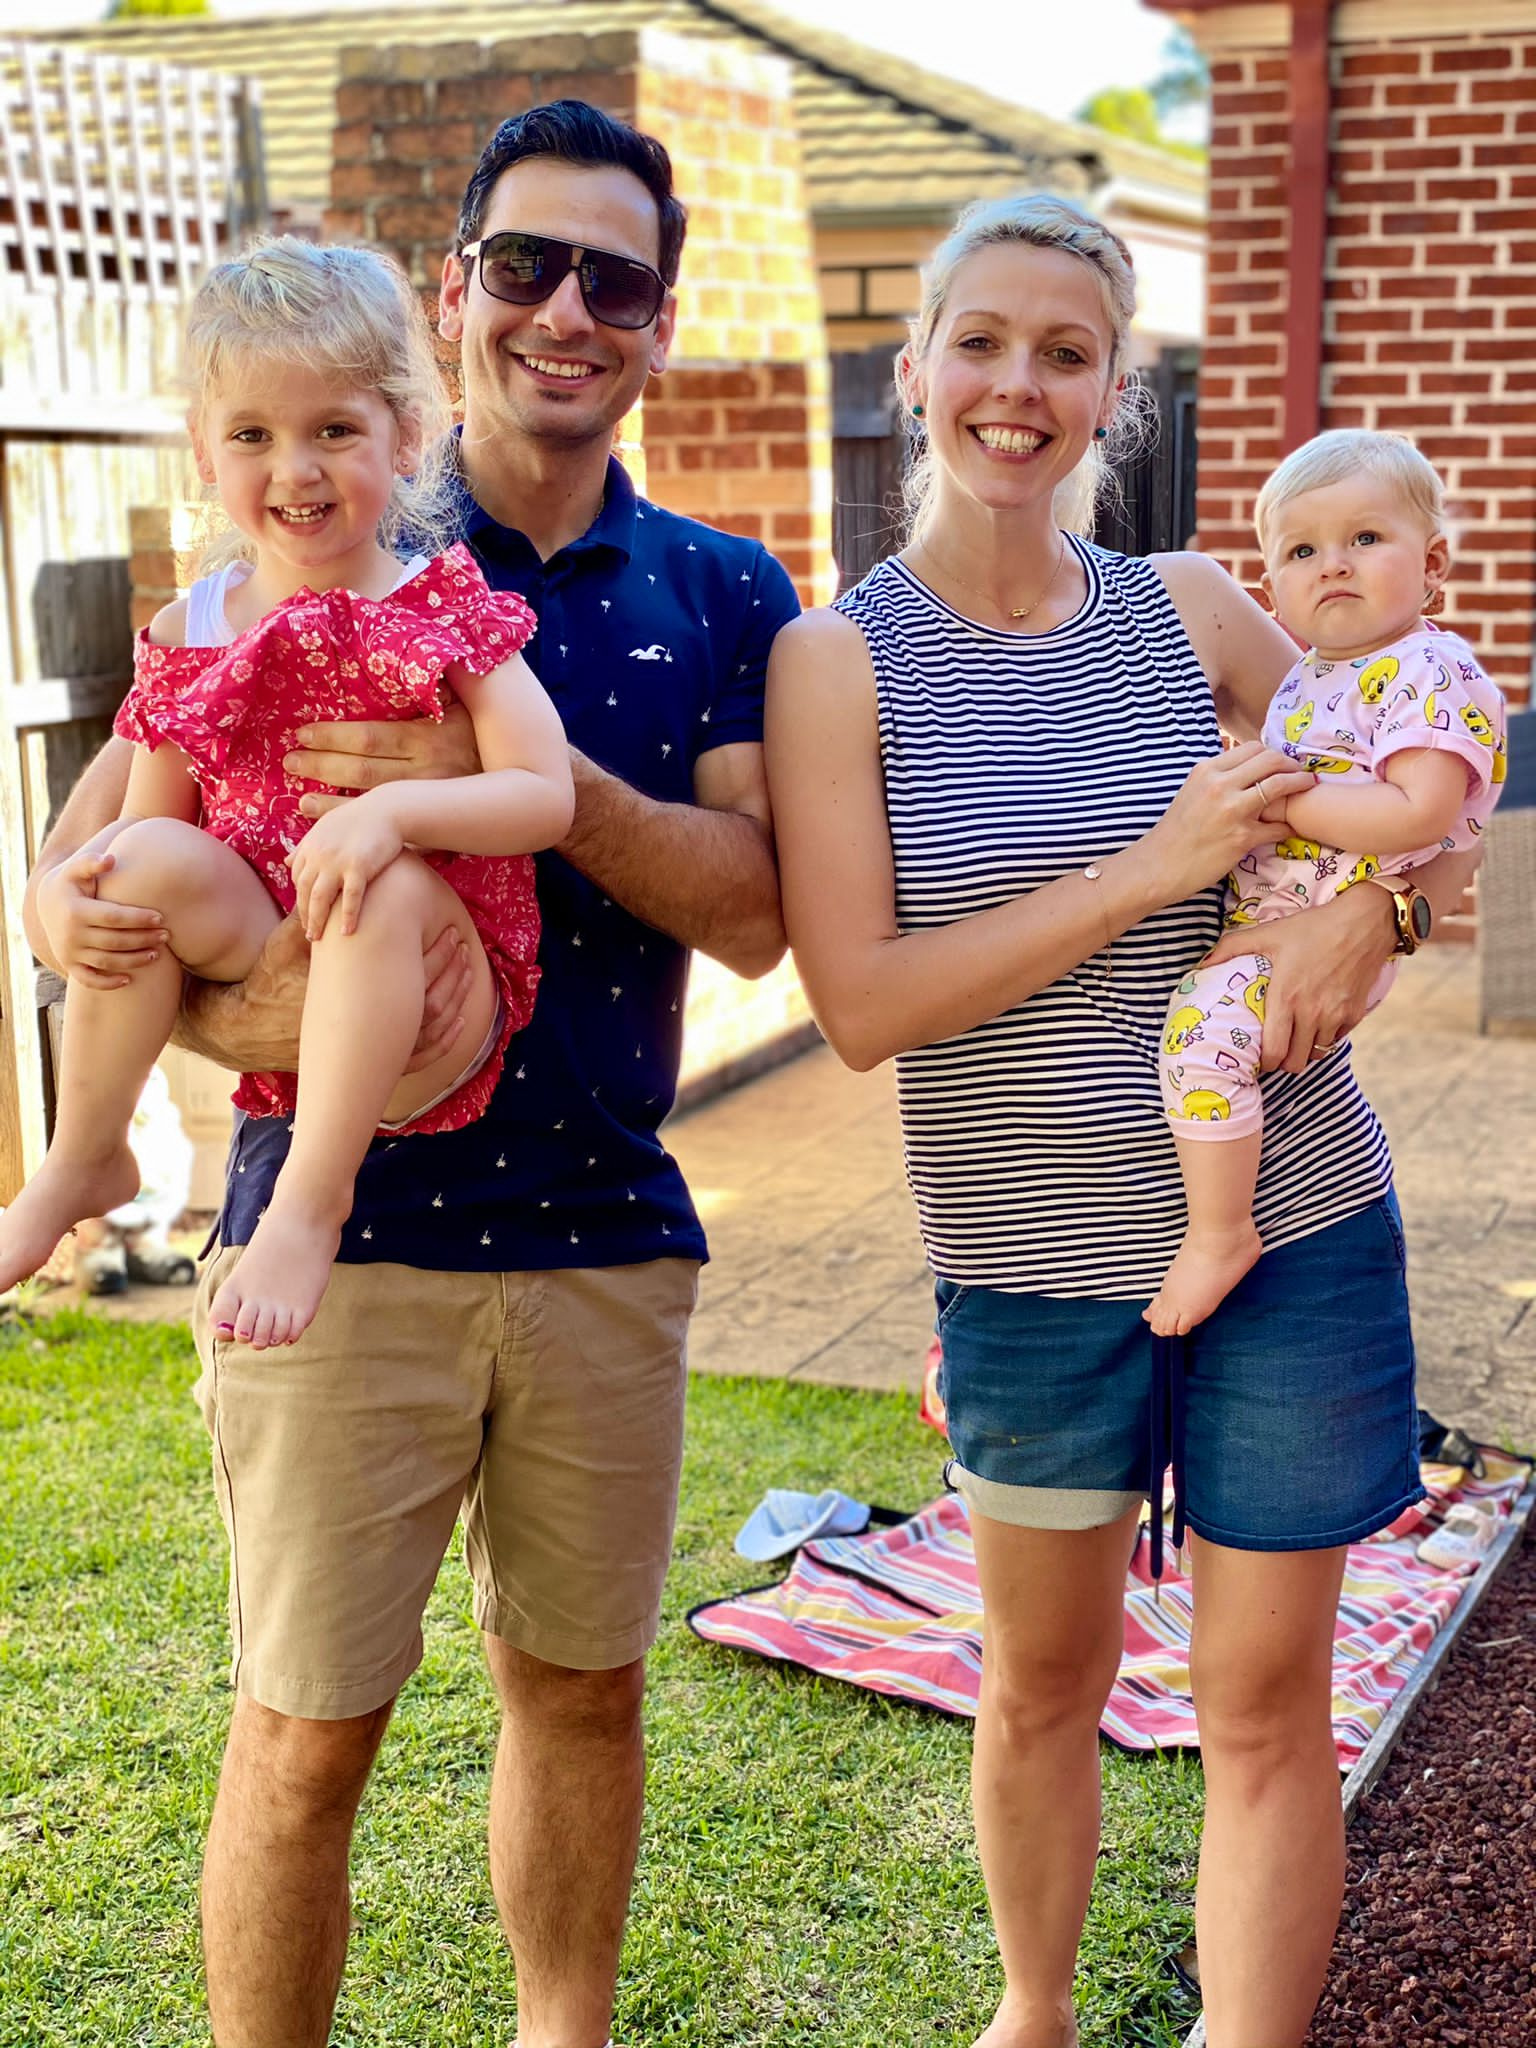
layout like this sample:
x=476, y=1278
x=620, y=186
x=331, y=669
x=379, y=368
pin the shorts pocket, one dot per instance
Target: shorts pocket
x=950, y=1297
x=1392, y=1223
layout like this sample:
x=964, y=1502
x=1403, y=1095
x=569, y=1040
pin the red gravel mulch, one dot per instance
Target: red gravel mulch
x=1437, y=1947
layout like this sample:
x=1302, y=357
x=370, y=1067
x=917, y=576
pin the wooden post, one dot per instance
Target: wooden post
x=22, y=1135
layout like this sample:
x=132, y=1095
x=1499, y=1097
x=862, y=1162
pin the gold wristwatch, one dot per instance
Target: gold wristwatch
x=1410, y=909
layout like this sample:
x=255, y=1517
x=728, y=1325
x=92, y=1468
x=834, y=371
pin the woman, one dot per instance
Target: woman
x=1003, y=818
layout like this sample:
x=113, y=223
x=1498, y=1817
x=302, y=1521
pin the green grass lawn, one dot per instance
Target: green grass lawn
x=808, y=1872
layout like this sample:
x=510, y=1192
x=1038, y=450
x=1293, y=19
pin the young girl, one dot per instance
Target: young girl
x=1405, y=735
x=316, y=398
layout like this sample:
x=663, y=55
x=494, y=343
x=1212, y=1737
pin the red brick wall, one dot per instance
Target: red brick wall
x=734, y=447
x=1431, y=298
x=737, y=432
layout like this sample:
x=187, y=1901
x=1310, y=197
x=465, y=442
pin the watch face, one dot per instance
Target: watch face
x=1420, y=916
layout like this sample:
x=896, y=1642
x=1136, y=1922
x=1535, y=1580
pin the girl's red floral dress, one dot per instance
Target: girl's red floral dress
x=333, y=655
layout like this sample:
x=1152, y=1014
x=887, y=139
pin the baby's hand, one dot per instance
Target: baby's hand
x=100, y=945
x=338, y=857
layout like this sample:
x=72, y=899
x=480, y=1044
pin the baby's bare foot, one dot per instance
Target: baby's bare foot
x=62, y=1193
x=277, y=1283
x=1207, y=1267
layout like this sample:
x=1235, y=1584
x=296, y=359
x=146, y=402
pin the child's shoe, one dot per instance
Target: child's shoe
x=1463, y=1538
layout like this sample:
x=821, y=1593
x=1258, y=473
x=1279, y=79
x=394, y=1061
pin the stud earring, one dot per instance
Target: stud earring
x=1101, y=433
x=917, y=412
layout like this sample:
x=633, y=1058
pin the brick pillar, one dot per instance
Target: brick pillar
x=164, y=541
x=738, y=431
x=1430, y=279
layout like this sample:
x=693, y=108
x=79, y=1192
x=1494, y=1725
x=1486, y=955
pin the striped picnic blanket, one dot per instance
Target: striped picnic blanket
x=897, y=1611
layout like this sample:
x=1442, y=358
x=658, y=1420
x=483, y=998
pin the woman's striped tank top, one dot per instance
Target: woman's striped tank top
x=1036, y=1144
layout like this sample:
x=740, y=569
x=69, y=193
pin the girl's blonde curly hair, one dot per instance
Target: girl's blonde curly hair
x=353, y=315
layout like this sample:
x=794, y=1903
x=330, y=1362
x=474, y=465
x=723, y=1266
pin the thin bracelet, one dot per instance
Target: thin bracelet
x=1095, y=874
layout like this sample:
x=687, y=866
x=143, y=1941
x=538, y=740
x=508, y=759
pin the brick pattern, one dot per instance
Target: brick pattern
x=749, y=290
x=738, y=431
x=164, y=542
x=747, y=450
x=412, y=118
x=1431, y=299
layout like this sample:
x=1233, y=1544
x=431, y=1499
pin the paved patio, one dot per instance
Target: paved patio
x=818, y=1275
x=817, y=1271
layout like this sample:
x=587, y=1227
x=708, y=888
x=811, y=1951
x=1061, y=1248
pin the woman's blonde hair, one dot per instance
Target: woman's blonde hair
x=1343, y=454
x=351, y=314
x=1036, y=220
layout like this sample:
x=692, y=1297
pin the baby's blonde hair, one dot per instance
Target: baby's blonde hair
x=1038, y=220
x=1340, y=456
x=351, y=314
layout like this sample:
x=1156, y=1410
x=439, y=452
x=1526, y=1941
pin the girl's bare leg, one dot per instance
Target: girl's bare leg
x=218, y=914
x=362, y=1011
x=1272, y=1853
x=1221, y=1243
x=1053, y=1635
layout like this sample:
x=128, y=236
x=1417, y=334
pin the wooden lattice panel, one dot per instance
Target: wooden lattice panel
x=121, y=181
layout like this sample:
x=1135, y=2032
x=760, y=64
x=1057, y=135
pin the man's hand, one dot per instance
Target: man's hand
x=361, y=753
x=252, y=1026
x=1323, y=963
x=97, y=944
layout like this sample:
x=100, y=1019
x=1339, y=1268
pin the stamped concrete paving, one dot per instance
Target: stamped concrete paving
x=818, y=1274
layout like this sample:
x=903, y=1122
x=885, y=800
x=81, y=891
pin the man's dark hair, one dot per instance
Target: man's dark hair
x=576, y=133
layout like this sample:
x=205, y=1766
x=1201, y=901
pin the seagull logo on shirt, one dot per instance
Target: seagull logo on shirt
x=655, y=652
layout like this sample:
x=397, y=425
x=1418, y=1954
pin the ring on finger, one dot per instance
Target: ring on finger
x=1318, y=1048
x=1263, y=792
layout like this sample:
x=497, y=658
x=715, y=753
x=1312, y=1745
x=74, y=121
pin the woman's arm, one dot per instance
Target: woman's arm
x=877, y=991
x=1415, y=806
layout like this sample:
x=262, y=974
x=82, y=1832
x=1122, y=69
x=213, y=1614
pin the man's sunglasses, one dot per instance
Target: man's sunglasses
x=527, y=269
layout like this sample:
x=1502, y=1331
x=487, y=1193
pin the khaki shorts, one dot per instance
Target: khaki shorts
x=548, y=1406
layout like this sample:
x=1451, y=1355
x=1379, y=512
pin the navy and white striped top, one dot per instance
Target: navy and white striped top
x=1037, y=1148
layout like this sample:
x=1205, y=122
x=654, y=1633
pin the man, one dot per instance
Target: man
x=506, y=1325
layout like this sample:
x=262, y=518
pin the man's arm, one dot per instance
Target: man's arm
x=704, y=872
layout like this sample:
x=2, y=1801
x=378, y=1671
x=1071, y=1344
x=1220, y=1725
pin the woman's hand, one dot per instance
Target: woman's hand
x=1223, y=811
x=362, y=753
x=338, y=857
x=100, y=945
x=252, y=1026
x=1323, y=965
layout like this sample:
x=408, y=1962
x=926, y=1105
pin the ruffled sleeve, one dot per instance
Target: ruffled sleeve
x=455, y=620
x=151, y=712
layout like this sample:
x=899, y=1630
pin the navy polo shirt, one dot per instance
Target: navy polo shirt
x=653, y=638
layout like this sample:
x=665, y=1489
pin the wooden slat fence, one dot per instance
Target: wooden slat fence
x=121, y=181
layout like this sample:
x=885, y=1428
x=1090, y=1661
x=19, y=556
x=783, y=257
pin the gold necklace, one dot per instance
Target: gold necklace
x=1024, y=610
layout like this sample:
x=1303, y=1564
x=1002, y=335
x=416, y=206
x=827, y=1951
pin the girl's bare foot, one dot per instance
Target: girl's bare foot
x=1208, y=1265
x=275, y=1288
x=1018, y=2026
x=63, y=1192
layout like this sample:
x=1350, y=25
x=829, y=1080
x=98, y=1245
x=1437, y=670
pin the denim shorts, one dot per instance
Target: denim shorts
x=1300, y=1424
